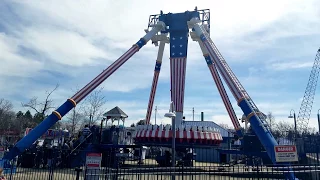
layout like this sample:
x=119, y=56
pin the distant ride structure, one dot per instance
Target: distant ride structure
x=173, y=29
x=308, y=97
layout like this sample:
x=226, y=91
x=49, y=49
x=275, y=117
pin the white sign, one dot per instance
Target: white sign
x=93, y=160
x=93, y=163
x=287, y=153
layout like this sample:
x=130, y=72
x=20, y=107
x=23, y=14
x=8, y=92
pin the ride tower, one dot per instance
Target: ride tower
x=178, y=26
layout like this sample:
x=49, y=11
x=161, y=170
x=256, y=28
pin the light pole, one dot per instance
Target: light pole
x=172, y=114
x=318, y=119
x=295, y=121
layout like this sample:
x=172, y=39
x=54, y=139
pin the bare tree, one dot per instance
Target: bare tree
x=271, y=120
x=5, y=105
x=92, y=106
x=141, y=122
x=283, y=128
x=41, y=107
x=6, y=114
x=74, y=120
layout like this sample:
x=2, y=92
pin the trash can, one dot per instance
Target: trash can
x=143, y=154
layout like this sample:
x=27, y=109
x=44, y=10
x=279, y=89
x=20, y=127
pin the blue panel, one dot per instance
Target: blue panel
x=208, y=59
x=239, y=132
x=202, y=37
x=266, y=138
x=157, y=67
x=178, y=21
x=65, y=108
x=141, y=42
x=178, y=44
x=38, y=131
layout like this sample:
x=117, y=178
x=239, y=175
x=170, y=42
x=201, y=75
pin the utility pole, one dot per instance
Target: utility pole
x=193, y=114
x=155, y=115
x=90, y=119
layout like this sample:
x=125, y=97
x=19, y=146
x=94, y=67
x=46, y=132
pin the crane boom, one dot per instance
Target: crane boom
x=307, y=102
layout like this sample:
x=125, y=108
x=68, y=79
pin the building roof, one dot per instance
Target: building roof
x=116, y=112
x=224, y=132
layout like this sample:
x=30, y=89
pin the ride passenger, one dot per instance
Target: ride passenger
x=86, y=131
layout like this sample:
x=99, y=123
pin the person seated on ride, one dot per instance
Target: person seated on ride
x=85, y=133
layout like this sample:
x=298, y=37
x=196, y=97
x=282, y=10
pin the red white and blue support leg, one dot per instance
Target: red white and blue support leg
x=74, y=100
x=222, y=90
x=155, y=80
x=178, y=63
x=254, y=116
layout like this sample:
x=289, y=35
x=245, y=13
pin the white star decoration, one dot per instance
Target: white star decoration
x=180, y=37
x=173, y=46
x=173, y=38
x=180, y=45
x=180, y=53
x=172, y=54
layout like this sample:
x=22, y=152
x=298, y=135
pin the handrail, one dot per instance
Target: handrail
x=74, y=149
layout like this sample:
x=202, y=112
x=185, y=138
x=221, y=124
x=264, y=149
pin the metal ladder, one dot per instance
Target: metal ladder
x=233, y=77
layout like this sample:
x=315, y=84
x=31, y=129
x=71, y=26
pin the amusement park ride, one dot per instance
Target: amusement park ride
x=174, y=29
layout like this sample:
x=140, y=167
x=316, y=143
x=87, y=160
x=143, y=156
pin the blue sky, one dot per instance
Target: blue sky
x=270, y=46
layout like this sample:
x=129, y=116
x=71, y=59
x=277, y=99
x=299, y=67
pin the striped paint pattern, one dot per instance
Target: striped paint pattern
x=178, y=74
x=225, y=75
x=80, y=95
x=152, y=95
x=224, y=96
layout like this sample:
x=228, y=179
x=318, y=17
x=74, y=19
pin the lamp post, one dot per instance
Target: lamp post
x=318, y=119
x=295, y=121
x=172, y=114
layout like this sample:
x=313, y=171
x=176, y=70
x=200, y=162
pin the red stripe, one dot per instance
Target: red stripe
x=178, y=71
x=93, y=165
x=177, y=81
x=184, y=77
x=223, y=94
x=105, y=74
x=111, y=70
x=152, y=95
x=99, y=76
x=222, y=70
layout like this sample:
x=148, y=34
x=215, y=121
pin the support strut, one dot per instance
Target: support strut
x=156, y=74
x=254, y=116
x=72, y=102
x=222, y=90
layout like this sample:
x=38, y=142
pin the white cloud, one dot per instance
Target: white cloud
x=12, y=63
x=291, y=65
x=232, y=22
x=65, y=47
x=79, y=34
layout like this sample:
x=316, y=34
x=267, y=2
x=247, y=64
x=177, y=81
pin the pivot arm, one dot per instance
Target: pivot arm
x=163, y=40
x=57, y=115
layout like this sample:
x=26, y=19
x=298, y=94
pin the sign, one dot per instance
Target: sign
x=93, y=163
x=93, y=160
x=287, y=153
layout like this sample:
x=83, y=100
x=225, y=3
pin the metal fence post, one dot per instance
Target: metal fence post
x=78, y=170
